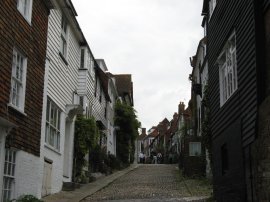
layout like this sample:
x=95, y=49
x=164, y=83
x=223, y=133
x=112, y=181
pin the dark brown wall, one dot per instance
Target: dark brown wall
x=193, y=165
x=15, y=31
x=260, y=150
x=241, y=108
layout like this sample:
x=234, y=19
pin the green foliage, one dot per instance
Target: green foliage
x=86, y=138
x=28, y=198
x=126, y=119
x=206, y=126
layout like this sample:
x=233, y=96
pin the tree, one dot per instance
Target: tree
x=126, y=120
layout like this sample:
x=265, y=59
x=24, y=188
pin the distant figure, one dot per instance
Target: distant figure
x=159, y=157
x=170, y=158
x=141, y=157
x=154, y=159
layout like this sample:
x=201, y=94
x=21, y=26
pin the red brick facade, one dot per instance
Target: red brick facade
x=15, y=31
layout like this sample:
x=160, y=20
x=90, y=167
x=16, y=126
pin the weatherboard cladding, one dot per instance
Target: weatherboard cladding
x=31, y=41
x=62, y=79
x=234, y=122
x=227, y=16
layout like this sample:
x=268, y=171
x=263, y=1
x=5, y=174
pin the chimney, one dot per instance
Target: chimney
x=143, y=131
x=181, y=108
x=175, y=116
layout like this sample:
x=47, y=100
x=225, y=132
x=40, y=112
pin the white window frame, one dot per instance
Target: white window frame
x=25, y=8
x=18, y=81
x=53, y=125
x=227, y=62
x=63, y=37
x=212, y=6
x=195, y=149
x=9, y=175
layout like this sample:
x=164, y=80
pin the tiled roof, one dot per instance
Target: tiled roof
x=124, y=85
x=104, y=81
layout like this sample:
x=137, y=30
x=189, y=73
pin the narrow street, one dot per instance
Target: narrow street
x=158, y=182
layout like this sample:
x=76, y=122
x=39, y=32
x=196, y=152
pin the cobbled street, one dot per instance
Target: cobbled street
x=156, y=182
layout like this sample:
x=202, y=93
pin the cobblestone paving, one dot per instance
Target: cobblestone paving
x=148, y=182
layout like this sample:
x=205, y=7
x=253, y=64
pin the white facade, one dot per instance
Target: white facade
x=111, y=136
x=5, y=127
x=61, y=84
x=24, y=163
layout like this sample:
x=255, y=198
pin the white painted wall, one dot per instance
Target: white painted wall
x=2, y=156
x=27, y=173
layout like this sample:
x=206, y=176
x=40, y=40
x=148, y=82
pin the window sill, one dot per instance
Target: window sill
x=52, y=149
x=16, y=109
x=63, y=58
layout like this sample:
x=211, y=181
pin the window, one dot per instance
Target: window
x=25, y=8
x=9, y=175
x=212, y=5
x=228, y=70
x=63, y=40
x=82, y=58
x=18, y=80
x=52, y=135
x=100, y=94
x=195, y=149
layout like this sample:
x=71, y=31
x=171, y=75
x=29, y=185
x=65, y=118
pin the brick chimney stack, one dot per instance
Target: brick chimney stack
x=143, y=131
x=175, y=116
x=181, y=108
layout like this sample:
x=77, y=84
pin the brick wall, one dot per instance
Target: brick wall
x=15, y=31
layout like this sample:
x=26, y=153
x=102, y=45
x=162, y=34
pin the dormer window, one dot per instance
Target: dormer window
x=212, y=5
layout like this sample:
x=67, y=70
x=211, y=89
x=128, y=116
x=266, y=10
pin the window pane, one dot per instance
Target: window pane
x=82, y=58
x=48, y=110
x=58, y=120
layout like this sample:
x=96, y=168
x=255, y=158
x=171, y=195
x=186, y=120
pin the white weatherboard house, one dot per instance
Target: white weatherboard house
x=61, y=101
x=110, y=104
x=111, y=140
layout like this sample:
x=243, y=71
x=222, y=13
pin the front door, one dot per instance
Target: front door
x=47, y=178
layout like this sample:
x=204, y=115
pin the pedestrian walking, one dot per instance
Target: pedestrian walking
x=141, y=157
x=159, y=158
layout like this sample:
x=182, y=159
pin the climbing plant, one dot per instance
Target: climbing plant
x=126, y=120
x=86, y=138
x=206, y=129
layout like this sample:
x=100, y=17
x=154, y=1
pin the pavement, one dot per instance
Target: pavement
x=154, y=183
x=88, y=189
x=140, y=183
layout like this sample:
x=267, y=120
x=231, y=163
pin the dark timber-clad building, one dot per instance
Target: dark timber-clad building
x=236, y=34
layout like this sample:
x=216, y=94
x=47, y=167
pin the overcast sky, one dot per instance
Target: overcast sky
x=150, y=39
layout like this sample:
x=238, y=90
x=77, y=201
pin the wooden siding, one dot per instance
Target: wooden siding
x=234, y=123
x=99, y=107
x=62, y=78
x=229, y=16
